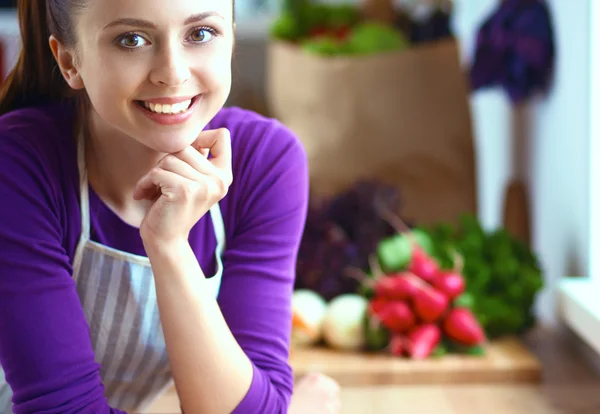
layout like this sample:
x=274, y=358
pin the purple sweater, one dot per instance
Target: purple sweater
x=45, y=348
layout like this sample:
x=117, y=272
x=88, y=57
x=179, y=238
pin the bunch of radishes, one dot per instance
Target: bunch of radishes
x=418, y=307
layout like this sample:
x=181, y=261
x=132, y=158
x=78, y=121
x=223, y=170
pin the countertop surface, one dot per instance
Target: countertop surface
x=569, y=385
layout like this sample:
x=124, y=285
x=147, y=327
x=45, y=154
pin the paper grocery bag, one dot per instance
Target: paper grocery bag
x=401, y=117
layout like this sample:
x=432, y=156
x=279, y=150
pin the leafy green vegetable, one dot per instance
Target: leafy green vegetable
x=502, y=275
x=368, y=38
x=331, y=15
x=286, y=27
x=376, y=336
x=299, y=17
x=424, y=240
x=439, y=351
x=394, y=253
x=324, y=46
x=465, y=300
x=453, y=347
x=476, y=350
x=364, y=39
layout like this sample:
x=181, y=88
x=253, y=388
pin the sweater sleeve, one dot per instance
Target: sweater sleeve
x=259, y=266
x=45, y=348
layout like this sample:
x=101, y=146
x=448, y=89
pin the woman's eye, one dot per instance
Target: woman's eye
x=132, y=41
x=201, y=35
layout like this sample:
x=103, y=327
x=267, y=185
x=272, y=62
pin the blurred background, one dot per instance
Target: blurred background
x=468, y=124
x=540, y=137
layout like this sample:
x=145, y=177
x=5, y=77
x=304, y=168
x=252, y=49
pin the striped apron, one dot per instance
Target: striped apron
x=117, y=292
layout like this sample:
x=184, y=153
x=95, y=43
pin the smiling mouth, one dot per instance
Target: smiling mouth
x=168, y=109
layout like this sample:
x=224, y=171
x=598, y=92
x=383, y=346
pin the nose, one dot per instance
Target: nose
x=171, y=67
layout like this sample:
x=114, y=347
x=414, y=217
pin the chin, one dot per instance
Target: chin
x=169, y=145
x=171, y=142
x=168, y=138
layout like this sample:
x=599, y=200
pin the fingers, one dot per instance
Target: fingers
x=221, y=150
x=196, y=160
x=161, y=181
x=219, y=143
x=187, y=167
x=192, y=164
x=221, y=178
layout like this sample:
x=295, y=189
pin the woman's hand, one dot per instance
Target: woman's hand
x=316, y=393
x=184, y=186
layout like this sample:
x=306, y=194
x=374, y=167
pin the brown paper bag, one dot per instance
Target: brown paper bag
x=401, y=117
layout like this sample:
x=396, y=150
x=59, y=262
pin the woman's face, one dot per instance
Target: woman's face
x=154, y=70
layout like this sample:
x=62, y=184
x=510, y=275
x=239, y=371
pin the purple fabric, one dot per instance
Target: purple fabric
x=515, y=50
x=45, y=348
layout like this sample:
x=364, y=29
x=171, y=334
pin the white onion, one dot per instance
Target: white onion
x=343, y=325
x=309, y=307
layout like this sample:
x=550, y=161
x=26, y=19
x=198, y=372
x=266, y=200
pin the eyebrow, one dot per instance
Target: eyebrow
x=146, y=24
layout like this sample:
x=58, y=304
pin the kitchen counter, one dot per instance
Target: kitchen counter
x=570, y=384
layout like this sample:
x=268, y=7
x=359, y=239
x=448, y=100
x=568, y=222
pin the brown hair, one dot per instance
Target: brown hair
x=35, y=79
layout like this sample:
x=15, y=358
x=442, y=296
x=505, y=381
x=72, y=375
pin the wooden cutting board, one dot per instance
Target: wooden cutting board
x=505, y=361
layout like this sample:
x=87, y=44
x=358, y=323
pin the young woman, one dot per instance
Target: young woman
x=148, y=235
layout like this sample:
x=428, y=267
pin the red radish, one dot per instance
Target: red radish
x=461, y=326
x=423, y=340
x=387, y=287
x=396, y=316
x=406, y=285
x=430, y=304
x=451, y=283
x=383, y=286
x=399, y=286
x=376, y=304
x=396, y=345
x=422, y=265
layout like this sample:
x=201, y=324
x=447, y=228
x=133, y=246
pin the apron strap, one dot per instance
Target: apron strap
x=83, y=203
x=83, y=187
x=219, y=229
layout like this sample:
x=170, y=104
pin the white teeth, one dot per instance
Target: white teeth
x=168, y=109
